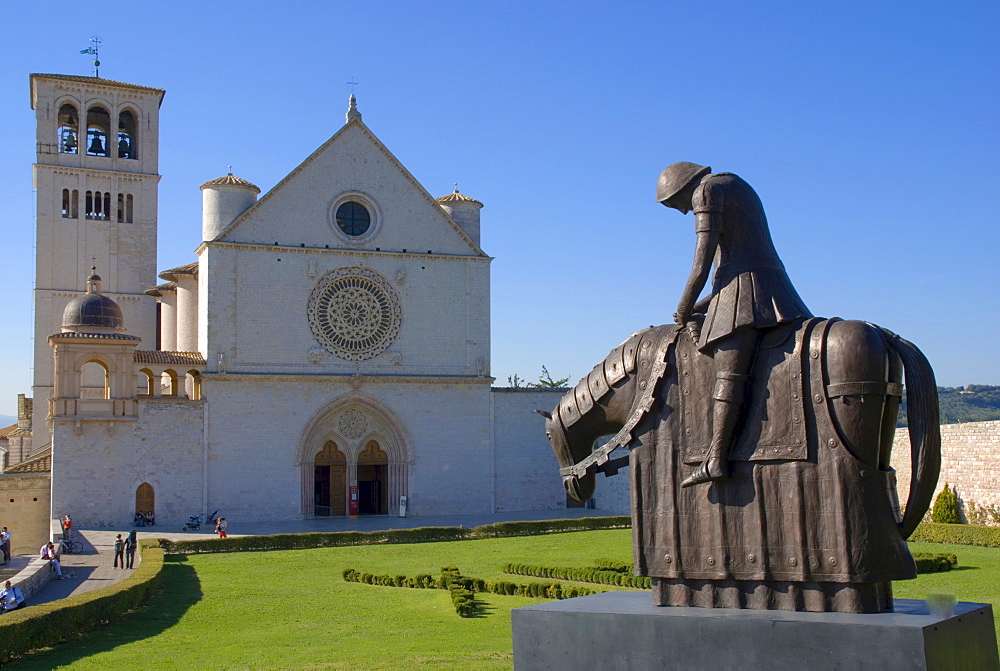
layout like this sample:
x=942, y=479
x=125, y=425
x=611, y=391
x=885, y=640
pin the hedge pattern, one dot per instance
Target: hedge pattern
x=597, y=575
x=957, y=534
x=463, y=587
x=44, y=625
x=389, y=536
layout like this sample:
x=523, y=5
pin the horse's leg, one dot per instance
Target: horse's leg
x=857, y=369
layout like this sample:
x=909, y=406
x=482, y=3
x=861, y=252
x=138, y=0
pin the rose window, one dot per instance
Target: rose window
x=354, y=313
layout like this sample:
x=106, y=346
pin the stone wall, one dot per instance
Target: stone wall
x=969, y=462
x=526, y=473
x=24, y=510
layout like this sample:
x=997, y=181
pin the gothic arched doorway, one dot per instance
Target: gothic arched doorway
x=373, y=467
x=375, y=444
x=330, y=482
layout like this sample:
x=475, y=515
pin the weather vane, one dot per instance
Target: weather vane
x=353, y=84
x=95, y=45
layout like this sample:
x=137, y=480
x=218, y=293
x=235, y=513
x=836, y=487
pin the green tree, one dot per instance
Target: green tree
x=545, y=380
x=945, y=509
x=514, y=381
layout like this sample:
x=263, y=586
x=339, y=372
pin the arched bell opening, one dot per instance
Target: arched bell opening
x=126, y=135
x=98, y=128
x=373, y=477
x=330, y=482
x=95, y=382
x=69, y=129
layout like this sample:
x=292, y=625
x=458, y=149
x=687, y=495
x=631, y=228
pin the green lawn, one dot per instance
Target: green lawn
x=291, y=609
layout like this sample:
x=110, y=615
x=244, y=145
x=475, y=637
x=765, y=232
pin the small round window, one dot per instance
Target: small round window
x=353, y=218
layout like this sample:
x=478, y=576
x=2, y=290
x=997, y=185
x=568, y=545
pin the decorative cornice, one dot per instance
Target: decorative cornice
x=341, y=251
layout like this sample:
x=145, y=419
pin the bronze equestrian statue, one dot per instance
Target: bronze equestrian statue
x=758, y=436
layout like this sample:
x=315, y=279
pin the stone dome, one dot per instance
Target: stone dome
x=93, y=310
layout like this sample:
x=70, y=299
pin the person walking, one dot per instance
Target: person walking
x=220, y=527
x=5, y=544
x=119, y=551
x=130, y=543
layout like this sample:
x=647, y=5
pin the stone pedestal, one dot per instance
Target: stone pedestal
x=623, y=630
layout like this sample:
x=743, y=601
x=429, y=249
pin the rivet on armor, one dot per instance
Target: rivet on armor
x=711, y=561
x=751, y=558
x=792, y=561
x=642, y=385
x=687, y=432
x=684, y=355
x=775, y=450
x=667, y=558
x=796, y=420
x=687, y=372
x=687, y=392
x=832, y=442
x=833, y=561
x=795, y=396
x=815, y=355
x=645, y=345
x=760, y=450
x=818, y=398
x=645, y=364
x=795, y=376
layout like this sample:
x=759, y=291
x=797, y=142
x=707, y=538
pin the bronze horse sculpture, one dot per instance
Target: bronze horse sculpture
x=758, y=436
x=809, y=518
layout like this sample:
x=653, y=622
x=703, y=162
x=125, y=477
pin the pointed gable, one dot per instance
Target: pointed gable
x=352, y=166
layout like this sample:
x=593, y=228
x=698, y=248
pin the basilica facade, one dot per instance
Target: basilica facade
x=325, y=352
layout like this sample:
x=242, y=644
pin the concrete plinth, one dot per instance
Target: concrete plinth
x=623, y=630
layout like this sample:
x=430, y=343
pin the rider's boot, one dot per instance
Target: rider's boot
x=727, y=402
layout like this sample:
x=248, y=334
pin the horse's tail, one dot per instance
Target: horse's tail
x=924, y=428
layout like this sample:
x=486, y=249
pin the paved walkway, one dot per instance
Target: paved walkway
x=92, y=569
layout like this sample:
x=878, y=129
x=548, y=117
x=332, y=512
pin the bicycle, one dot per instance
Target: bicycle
x=72, y=547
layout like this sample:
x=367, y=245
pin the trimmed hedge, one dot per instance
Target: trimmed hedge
x=463, y=598
x=957, y=534
x=453, y=581
x=389, y=536
x=934, y=562
x=614, y=565
x=33, y=627
x=584, y=574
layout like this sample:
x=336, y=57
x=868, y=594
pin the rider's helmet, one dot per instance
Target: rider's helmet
x=675, y=177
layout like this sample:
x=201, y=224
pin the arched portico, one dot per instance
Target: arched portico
x=367, y=434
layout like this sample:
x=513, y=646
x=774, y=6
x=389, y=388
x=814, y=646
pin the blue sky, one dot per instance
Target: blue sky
x=870, y=130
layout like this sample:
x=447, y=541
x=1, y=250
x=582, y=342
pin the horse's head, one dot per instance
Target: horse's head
x=568, y=452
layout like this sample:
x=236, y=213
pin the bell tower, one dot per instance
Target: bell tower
x=96, y=181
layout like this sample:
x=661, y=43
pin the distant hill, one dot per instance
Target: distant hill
x=971, y=403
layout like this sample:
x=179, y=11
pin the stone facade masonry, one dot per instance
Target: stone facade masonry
x=526, y=473
x=970, y=462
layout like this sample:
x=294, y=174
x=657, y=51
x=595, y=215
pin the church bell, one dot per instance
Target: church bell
x=96, y=146
x=69, y=144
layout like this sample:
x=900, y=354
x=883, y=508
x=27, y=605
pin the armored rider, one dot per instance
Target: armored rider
x=751, y=292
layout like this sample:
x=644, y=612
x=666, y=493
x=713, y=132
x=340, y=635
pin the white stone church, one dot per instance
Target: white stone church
x=327, y=352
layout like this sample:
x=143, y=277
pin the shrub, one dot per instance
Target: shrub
x=957, y=534
x=934, y=562
x=416, y=535
x=584, y=574
x=945, y=509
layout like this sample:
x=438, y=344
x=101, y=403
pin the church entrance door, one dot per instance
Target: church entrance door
x=330, y=482
x=373, y=466
x=145, y=499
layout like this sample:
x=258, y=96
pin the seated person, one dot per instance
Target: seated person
x=11, y=598
x=149, y=518
x=48, y=552
x=139, y=520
